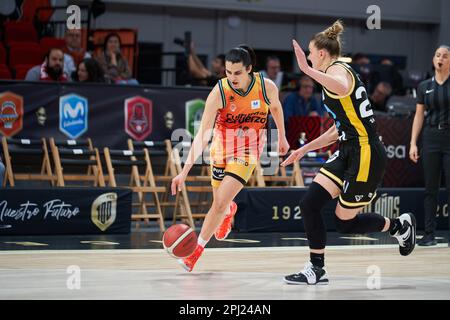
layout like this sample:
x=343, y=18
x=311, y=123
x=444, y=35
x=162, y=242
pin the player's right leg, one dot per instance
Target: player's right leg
x=225, y=193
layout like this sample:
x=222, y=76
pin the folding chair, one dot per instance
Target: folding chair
x=76, y=155
x=162, y=151
x=268, y=172
x=137, y=159
x=20, y=152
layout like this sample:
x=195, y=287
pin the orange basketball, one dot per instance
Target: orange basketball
x=179, y=240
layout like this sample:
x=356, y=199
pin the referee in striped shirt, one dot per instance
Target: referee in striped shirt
x=433, y=112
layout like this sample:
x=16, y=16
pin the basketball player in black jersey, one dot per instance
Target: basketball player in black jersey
x=354, y=172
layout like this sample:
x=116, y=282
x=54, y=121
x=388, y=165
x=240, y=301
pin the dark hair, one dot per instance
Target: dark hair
x=47, y=56
x=302, y=78
x=444, y=46
x=244, y=54
x=330, y=39
x=109, y=36
x=272, y=58
x=94, y=70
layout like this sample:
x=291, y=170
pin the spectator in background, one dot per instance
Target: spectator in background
x=74, y=53
x=89, y=70
x=51, y=69
x=203, y=76
x=302, y=102
x=361, y=64
x=114, y=64
x=273, y=72
x=387, y=72
x=380, y=95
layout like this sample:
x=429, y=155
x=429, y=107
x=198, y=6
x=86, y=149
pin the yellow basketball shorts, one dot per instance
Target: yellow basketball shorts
x=240, y=168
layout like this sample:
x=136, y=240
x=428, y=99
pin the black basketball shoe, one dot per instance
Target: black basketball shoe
x=310, y=275
x=406, y=235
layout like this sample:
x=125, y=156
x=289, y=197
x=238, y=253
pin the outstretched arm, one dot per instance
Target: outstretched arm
x=337, y=79
x=196, y=67
x=213, y=103
x=327, y=138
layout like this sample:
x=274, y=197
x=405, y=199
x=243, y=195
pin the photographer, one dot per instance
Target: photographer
x=201, y=75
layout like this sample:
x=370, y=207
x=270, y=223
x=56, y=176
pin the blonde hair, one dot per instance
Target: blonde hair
x=330, y=39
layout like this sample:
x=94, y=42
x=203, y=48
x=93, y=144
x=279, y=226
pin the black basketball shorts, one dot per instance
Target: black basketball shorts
x=357, y=168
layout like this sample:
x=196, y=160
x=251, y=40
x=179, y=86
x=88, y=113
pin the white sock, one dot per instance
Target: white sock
x=201, y=242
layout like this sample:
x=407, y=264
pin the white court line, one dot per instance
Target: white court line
x=290, y=248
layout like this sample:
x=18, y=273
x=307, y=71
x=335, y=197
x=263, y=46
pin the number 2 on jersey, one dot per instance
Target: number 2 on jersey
x=366, y=103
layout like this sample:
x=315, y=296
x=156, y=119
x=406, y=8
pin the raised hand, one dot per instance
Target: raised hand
x=301, y=57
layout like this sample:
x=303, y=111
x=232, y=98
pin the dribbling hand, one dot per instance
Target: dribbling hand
x=177, y=182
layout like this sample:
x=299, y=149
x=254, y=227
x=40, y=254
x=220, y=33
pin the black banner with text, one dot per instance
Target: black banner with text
x=277, y=209
x=65, y=211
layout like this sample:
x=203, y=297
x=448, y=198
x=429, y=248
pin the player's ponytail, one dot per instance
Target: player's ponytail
x=330, y=39
x=244, y=54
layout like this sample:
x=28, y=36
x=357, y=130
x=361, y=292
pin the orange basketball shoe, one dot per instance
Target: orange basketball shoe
x=189, y=262
x=225, y=228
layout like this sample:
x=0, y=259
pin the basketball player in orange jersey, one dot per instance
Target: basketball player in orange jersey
x=241, y=102
x=354, y=172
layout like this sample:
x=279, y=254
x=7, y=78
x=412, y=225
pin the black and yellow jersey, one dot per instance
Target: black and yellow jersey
x=353, y=113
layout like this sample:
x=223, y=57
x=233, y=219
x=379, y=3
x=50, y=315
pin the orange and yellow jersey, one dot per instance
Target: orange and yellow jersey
x=241, y=122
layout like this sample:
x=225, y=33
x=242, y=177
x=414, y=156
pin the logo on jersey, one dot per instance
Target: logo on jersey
x=11, y=113
x=256, y=117
x=358, y=198
x=345, y=186
x=218, y=173
x=233, y=107
x=333, y=157
x=73, y=115
x=256, y=104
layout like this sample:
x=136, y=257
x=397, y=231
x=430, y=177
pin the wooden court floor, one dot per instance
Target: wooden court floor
x=356, y=272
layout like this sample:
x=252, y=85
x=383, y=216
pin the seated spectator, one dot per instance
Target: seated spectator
x=380, y=96
x=387, y=72
x=114, y=64
x=361, y=64
x=74, y=53
x=203, y=76
x=274, y=73
x=89, y=70
x=302, y=102
x=51, y=69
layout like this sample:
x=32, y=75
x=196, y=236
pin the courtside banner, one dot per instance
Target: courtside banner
x=65, y=211
x=108, y=114
x=277, y=209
